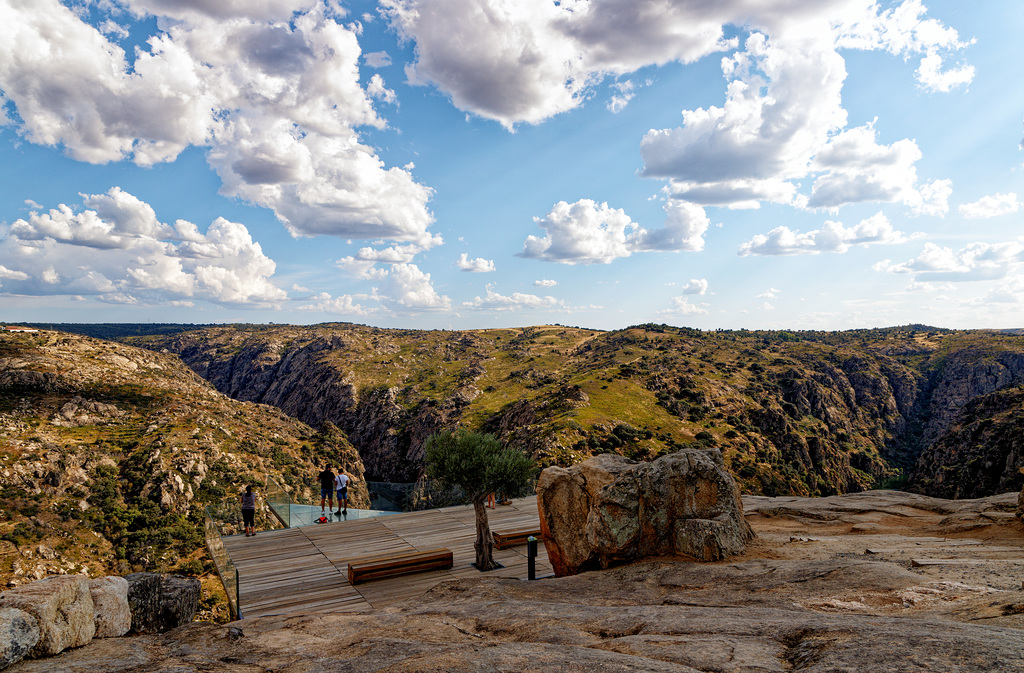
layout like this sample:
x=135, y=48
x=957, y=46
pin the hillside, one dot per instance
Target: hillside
x=109, y=453
x=803, y=413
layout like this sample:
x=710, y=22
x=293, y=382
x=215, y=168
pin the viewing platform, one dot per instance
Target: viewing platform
x=304, y=569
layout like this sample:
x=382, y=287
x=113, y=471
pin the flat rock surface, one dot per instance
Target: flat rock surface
x=831, y=584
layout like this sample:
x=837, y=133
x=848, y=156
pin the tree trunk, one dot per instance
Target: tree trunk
x=484, y=545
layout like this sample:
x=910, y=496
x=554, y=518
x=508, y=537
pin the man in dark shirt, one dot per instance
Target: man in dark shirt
x=326, y=488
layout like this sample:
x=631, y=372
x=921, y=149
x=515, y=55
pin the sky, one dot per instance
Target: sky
x=463, y=164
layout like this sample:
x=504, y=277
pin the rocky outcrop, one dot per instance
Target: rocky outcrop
x=19, y=633
x=179, y=601
x=112, y=616
x=52, y=615
x=981, y=452
x=62, y=609
x=611, y=509
x=161, y=602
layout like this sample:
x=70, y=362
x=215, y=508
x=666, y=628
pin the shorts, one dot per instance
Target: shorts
x=343, y=493
x=249, y=518
x=326, y=492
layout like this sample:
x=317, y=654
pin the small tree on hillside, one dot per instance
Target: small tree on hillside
x=478, y=464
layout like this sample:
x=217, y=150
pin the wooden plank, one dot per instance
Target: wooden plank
x=366, y=569
x=514, y=538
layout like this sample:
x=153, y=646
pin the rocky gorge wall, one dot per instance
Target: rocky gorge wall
x=811, y=414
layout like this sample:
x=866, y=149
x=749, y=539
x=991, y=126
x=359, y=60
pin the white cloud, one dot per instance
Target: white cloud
x=132, y=257
x=931, y=75
x=770, y=293
x=682, y=306
x=478, y=265
x=377, y=59
x=259, y=10
x=12, y=275
x=832, y=237
x=975, y=261
x=858, y=169
x=990, y=206
x=345, y=304
x=586, y=232
x=517, y=301
x=582, y=233
x=624, y=92
x=410, y=288
x=696, y=286
x=544, y=282
x=271, y=87
x=1009, y=292
x=376, y=89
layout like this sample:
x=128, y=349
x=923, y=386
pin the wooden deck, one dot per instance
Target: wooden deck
x=304, y=569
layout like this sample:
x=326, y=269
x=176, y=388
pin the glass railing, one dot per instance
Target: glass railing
x=293, y=515
x=279, y=501
x=221, y=559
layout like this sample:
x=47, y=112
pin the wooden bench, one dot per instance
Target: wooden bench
x=401, y=563
x=513, y=538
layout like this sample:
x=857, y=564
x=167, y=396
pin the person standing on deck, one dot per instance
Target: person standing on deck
x=341, y=483
x=326, y=488
x=249, y=511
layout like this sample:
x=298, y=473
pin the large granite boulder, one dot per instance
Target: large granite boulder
x=161, y=602
x=179, y=601
x=113, y=617
x=62, y=608
x=19, y=633
x=611, y=509
x=144, y=600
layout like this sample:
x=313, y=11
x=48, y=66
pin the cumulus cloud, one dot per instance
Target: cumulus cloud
x=586, y=232
x=344, y=304
x=696, y=286
x=410, y=288
x=271, y=87
x=932, y=76
x=544, y=282
x=133, y=258
x=832, y=237
x=682, y=306
x=975, y=261
x=517, y=301
x=478, y=265
x=990, y=206
x=377, y=59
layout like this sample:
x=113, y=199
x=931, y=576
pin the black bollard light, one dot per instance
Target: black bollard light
x=531, y=556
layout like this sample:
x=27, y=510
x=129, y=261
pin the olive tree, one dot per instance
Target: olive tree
x=478, y=464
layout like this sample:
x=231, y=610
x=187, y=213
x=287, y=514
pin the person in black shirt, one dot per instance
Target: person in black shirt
x=326, y=488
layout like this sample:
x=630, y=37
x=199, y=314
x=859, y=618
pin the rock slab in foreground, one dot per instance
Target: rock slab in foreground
x=611, y=509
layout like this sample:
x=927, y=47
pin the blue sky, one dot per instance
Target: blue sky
x=774, y=164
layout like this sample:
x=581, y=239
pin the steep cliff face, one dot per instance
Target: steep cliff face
x=981, y=451
x=809, y=413
x=304, y=374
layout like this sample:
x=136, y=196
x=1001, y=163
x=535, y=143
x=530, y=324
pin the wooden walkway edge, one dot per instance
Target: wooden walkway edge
x=305, y=569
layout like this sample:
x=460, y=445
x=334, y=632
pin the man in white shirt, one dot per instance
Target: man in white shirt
x=341, y=482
